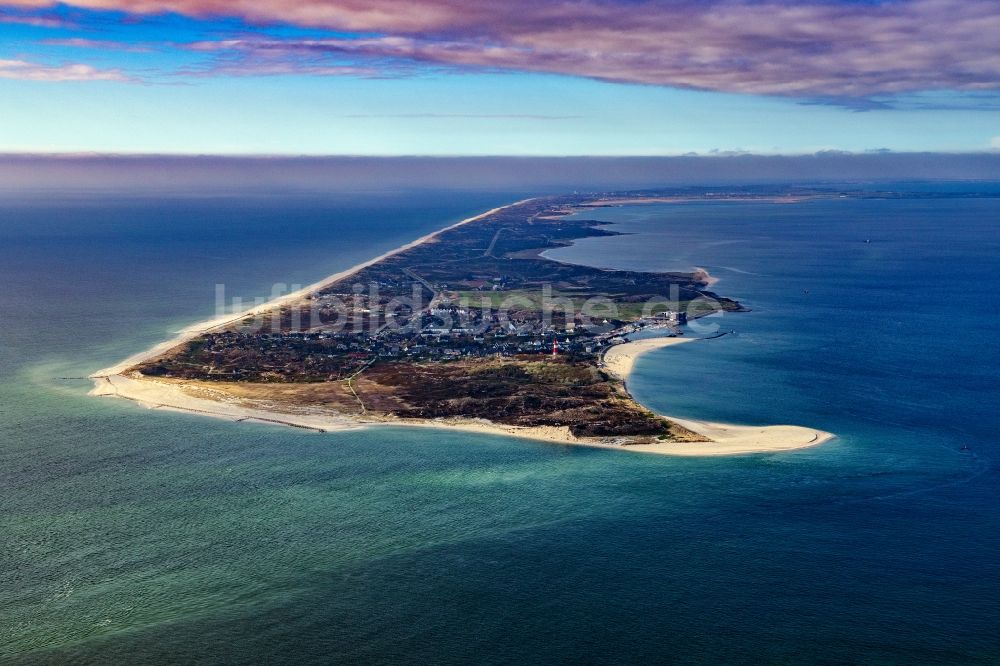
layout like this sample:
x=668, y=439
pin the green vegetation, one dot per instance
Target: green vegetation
x=449, y=329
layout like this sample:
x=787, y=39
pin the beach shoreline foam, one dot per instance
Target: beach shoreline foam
x=117, y=381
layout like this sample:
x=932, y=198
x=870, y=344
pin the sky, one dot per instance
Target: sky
x=485, y=77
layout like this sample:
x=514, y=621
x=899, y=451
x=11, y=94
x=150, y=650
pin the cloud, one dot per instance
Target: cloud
x=995, y=143
x=100, y=44
x=817, y=49
x=35, y=21
x=30, y=71
x=262, y=67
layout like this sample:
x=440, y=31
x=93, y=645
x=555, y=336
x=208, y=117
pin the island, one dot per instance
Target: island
x=471, y=327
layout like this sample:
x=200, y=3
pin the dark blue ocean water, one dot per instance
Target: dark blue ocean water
x=146, y=537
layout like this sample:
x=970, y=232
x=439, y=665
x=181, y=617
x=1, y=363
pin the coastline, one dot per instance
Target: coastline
x=726, y=439
x=639, y=201
x=170, y=396
x=194, y=330
x=620, y=359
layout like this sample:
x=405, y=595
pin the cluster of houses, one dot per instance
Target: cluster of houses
x=454, y=332
x=442, y=334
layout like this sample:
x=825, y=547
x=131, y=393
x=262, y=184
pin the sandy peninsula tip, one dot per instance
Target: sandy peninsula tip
x=723, y=439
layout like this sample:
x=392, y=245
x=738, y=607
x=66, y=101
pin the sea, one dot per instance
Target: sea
x=145, y=537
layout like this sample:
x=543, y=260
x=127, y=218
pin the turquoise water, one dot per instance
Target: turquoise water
x=147, y=537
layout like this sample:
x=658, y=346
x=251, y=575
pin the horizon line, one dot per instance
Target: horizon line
x=710, y=154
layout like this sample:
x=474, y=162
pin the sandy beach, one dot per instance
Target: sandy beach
x=117, y=382
x=620, y=359
x=725, y=439
x=193, y=331
x=175, y=396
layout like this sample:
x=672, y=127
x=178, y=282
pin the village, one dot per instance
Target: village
x=475, y=291
x=442, y=333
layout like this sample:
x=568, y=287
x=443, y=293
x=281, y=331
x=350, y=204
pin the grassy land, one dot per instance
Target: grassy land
x=609, y=306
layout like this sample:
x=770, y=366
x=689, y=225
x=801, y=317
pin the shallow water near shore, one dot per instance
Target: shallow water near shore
x=156, y=537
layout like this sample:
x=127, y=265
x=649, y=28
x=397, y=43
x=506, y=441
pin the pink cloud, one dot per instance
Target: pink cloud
x=265, y=67
x=35, y=21
x=775, y=47
x=30, y=71
x=100, y=44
